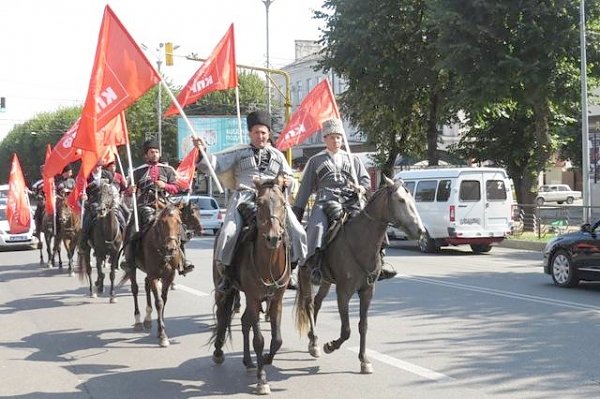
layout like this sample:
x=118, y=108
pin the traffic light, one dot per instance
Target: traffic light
x=169, y=53
x=2, y=104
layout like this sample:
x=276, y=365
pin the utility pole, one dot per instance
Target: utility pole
x=267, y=4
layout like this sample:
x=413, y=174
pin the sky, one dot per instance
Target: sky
x=47, y=47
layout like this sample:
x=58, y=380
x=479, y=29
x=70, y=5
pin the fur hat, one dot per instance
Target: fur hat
x=148, y=144
x=258, y=118
x=332, y=126
x=67, y=168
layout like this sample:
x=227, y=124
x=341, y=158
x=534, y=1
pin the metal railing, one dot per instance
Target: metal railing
x=550, y=220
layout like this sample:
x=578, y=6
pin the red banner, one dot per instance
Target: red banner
x=18, y=211
x=186, y=169
x=48, y=186
x=63, y=153
x=218, y=72
x=115, y=130
x=318, y=106
x=121, y=74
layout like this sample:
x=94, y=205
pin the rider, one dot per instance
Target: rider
x=91, y=198
x=118, y=179
x=329, y=175
x=237, y=168
x=64, y=183
x=154, y=181
x=40, y=200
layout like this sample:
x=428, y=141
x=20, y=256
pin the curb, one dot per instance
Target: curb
x=520, y=244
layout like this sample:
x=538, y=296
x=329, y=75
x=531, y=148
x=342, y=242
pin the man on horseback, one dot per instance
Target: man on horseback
x=64, y=183
x=40, y=203
x=91, y=199
x=154, y=181
x=237, y=169
x=328, y=174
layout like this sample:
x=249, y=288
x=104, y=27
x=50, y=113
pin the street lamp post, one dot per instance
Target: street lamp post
x=267, y=4
x=159, y=103
x=585, y=156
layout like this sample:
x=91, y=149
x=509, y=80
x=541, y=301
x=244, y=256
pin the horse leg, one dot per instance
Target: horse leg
x=251, y=319
x=136, y=309
x=148, y=318
x=100, y=259
x=72, y=247
x=58, y=250
x=365, y=295
x=275, y=308
x=237, y=302
x=247, y=318
x=156, y=285
x=41, y=248
x=224, y=304
x=88, y=269
x=166, y=286
x=342, y=299
x=313, y=339
x=113, y=272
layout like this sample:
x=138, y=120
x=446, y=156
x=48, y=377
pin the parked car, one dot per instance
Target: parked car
x=558, y=193
x=3, y=194
x=572, y=257
x=210, y=213
x=10, y=241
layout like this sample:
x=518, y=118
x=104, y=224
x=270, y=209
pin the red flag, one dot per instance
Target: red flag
x=18, y=211
x=116, y=134
x=218, y=72
x=80, y=186
x=111, y=132
x=186, y=169
x=48, y=185
x=121, y=74
x=63, y=153
x=318, y=106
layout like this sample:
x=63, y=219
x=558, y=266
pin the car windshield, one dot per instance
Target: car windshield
x=206, y=203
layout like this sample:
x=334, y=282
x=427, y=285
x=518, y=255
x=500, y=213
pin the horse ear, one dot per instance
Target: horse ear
x=389, y=182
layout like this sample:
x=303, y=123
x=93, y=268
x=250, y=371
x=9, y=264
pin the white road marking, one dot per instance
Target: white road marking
x=181, y=287
x=406, y=366
x=506, y=294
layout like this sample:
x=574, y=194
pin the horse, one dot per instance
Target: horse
x=68, y=229
x=159, y=255
x=106, y=238
x=262, y=271
x=190, y=217
x=47, y=229
x=352, y=262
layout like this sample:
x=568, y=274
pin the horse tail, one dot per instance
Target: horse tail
x=223, y=312
x=83, y=264
x=303, y=306
x=126, y=276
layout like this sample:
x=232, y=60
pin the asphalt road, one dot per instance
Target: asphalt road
x=450, y=325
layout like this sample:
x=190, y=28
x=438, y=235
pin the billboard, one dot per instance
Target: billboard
x=219, y=132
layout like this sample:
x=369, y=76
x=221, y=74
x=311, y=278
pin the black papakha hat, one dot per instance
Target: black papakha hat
x=148, y=144
x=67, y=168
x=259, y=118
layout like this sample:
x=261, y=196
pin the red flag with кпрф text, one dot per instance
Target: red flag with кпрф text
x=121, y=74
x=318, y=106
x=18, y=211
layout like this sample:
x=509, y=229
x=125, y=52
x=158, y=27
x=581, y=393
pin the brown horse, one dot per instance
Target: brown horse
x=190, y=217
x=68, y=229
x=262, y=272
x=352, y=263
x=47, y=230
x=106, y=238
x=159, y=255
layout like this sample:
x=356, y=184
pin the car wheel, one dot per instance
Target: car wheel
x=563, y=271
x=569, y=200
x=539, y=201
x=427, y=245
x=481, y=248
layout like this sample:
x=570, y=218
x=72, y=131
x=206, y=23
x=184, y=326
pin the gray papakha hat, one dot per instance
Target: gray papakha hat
x=332, y=126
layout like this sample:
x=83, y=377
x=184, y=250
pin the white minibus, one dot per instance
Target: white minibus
x=471, y=206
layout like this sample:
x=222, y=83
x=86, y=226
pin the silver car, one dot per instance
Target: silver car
x=210, y=213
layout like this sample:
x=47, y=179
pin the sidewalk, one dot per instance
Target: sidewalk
x=522, y=244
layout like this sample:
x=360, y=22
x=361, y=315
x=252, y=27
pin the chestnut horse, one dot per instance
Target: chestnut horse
x=262, y=272
x=68, y=229
x=352, y=262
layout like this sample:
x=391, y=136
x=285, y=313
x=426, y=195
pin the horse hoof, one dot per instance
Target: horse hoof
x=263, y=389
x=366, y=368
x=113, y=299
x=327, y=349
x=147, y=324
x=138, y=327
x=218, y=359
x=173, y=286
x=250, y=366
x=94, y=295
x=314, y=351
x=71, y=274
x=164, y=342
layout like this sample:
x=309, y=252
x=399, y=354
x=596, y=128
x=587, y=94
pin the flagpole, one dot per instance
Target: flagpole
x=239, y=116
x=133, y=198
x=352, y=168
x=189, y=125
x=120, y=164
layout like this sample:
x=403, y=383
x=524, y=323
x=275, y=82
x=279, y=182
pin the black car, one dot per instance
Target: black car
x=575, y=256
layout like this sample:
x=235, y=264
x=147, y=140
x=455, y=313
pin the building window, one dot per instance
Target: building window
x=300, y=91
x=308, y=85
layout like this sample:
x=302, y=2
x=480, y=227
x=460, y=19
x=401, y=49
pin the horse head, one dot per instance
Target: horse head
x=270, y=212
x=190, y=216
x=404, y=214
x=63, y=211
x=106, y=199
x=168, y=229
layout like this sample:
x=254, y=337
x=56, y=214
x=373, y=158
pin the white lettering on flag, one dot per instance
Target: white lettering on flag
x=298, y=130
x=202, y=84
x=107, y=97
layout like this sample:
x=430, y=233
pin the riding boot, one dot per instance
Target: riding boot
x=387, y=271
x=226, y=283
x=187, y=265
x=293, y=283
x=316, y=261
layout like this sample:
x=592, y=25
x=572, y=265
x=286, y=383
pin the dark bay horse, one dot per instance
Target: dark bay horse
x=47, y=230
x=190, y=217
x=263, y=272
x=159, y=256
x=352, y=263
x=106, y=238
x=68, y=229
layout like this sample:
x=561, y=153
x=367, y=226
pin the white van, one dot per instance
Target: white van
x=458, y=206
